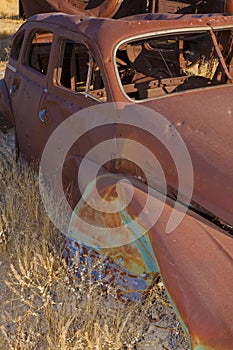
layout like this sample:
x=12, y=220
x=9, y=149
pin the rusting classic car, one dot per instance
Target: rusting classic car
x=178, y=65
x=122, y=8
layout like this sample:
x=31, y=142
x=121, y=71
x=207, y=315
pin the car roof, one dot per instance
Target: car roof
x=65, y=20
x=120, y=29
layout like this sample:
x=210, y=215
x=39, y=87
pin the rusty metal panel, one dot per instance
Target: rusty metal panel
x=199, y=126
x=209, y=143
x=105, y=8
x=191, y=6
x=122, y=8
x=195, y=261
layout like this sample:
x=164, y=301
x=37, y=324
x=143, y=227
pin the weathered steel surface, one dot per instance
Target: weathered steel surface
x=195, y=261
x=144, y=259
x=199, y=126
x=121, y=8
x=128, y=285
x=105, y=8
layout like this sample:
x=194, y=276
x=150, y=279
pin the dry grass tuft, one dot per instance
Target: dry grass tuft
x=9, y=9
x=44, y=304
x=2, y=68
x=9, y=27
x=50, y=308
x=9, y=24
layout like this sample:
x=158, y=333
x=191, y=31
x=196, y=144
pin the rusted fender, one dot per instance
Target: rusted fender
x=195, y=260
x=6, y=115
x=196, y=263
x=106, y=8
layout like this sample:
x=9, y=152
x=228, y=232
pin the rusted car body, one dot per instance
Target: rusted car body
x=179, y=66
x=122, y=8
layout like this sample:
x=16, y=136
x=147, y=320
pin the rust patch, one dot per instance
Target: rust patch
x=194, y=261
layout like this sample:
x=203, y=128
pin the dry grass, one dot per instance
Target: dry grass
x=8, y=28
x=9, y=9
x=2, y=66
x=9, y=24
x=44, y=304
x=49, y=307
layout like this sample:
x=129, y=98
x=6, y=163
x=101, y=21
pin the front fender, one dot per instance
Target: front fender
x=6, y=114
x=195, y=260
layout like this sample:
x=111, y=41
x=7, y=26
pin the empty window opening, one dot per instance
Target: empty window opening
x=163, y=65
x=16, y=46
x=80, y=72
x=39, y=53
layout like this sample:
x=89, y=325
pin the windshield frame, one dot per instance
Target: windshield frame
x=187, y=30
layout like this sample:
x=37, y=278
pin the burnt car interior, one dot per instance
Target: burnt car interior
x=163, y=65
x=79, y=71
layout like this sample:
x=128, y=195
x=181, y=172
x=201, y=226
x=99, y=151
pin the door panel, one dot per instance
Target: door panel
x=28, y=85
x=55, y=106
x=25, y=104
x=78, y=84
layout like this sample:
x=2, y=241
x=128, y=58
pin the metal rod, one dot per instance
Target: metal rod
x=219, y=53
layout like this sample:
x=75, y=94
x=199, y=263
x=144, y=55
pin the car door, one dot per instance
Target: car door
x=27, y=85
x=76, y=84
